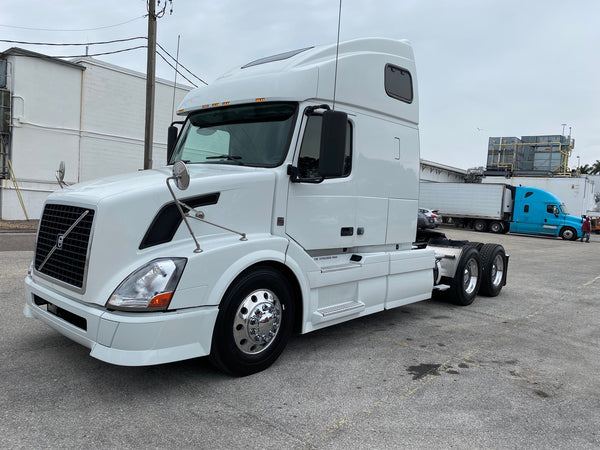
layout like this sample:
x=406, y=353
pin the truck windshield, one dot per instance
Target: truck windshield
x=564, y=210
x=255, y=134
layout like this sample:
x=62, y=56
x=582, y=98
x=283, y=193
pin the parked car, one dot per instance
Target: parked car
x=424, y=221
x=433, y=214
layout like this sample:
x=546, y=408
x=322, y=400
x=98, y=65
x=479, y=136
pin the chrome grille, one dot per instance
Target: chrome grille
x=62, y=243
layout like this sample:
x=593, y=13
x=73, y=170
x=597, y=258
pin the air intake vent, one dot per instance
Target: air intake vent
x=63, y=243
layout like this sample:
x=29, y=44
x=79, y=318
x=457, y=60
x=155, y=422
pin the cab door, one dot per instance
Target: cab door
x=553, y=220
x=321, y=214
x=522, y=222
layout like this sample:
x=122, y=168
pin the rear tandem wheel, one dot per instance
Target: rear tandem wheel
x=494, y=266
x=467, y=277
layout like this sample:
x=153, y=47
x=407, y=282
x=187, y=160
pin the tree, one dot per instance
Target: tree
x=586, y=169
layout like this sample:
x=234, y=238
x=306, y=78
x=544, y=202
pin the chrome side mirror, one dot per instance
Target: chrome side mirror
x=181, y=175
x=60, y=175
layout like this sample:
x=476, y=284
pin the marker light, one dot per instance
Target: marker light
x=149, y=288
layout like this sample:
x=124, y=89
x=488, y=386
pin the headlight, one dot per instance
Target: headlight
x=149, y=288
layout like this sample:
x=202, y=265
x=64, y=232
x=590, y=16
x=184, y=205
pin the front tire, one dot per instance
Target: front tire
x=254, y=322
x=568, y=234
x=467, y=278
x=493, y=273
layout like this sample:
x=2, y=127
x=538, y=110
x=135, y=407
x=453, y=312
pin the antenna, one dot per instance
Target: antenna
x=175, y=82
x=337, y=53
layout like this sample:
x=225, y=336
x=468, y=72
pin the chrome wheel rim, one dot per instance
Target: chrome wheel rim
x=257, y=322
x=497, y=270
x=470, y=276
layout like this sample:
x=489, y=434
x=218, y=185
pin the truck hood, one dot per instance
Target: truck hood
x=95, y=191
x=129, y=208
x=573, y=221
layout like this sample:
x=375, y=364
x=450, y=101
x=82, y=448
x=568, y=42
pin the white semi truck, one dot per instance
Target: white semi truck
x=289, y=204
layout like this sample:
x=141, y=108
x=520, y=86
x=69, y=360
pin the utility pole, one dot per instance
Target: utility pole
x=150, y=79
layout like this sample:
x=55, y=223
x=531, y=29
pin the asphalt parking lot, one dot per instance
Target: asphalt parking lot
x=516, y=371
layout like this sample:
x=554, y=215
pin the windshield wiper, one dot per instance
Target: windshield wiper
x=227, y=157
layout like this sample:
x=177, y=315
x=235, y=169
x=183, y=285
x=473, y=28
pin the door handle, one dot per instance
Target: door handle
x=397, y=149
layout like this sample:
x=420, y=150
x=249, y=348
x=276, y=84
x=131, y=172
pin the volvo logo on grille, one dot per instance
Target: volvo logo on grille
x=59, y=240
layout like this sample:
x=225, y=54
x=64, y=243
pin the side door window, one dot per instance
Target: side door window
x=308, y=159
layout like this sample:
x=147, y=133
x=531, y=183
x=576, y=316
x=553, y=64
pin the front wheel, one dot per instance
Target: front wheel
x=467, y=278
x=254, y=322
x=568, y=234
x=493, y=273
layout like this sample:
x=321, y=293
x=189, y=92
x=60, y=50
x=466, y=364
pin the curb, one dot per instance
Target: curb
x=19, y=226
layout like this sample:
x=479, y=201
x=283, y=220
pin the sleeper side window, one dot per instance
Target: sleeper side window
x=398, y=83
x=526, y=208
x=308, y=160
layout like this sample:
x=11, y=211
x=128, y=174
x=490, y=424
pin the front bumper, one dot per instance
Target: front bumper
x=123, y=338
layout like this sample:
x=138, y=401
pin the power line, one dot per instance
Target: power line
x=102, y=53
x=112, y=52
x=179, y=62
x=72, y=44
x=67, y=30
x=173, y=67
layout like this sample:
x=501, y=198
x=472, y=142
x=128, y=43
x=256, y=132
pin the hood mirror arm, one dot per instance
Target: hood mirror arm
x=181, y=177
x=184, y=216
x=199, y=215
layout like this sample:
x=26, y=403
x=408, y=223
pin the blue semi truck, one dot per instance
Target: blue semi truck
x=501, y=208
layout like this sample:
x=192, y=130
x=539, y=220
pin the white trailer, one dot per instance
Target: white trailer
x=467, y=200
x=279, y=215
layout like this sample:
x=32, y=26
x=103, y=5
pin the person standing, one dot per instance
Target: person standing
x=586, y=228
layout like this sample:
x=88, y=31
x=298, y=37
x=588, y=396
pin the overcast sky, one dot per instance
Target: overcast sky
x=485, y=67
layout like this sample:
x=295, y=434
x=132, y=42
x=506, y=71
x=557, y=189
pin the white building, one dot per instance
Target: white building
x=440, y=173
x=87, y=113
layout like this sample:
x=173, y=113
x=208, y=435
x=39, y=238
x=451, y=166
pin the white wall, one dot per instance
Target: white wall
x=46, y=103
x=114, y=120
x=440, y=173
x=98, y=134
